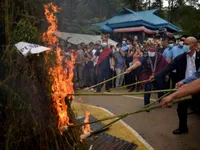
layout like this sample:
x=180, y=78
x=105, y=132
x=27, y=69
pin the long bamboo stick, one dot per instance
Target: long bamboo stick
x=120, y=94
x=136, y=83
x=127, y=114
x=103, y=82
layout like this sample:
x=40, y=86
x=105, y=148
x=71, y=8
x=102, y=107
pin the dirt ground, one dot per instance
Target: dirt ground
x=156, y=126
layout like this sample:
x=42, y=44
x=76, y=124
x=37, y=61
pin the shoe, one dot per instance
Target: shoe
x=178, y=131
x=108, y=90
x=97, y=91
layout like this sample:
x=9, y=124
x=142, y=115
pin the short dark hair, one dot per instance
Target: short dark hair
x=118, y=45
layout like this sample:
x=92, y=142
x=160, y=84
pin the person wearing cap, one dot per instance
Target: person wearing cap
x=152, y=63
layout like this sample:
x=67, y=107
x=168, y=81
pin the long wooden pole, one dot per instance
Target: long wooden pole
x=102, y=82
x=144, y=109
x=122, y=94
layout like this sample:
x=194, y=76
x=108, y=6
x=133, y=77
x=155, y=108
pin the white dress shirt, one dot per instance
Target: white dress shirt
x=96, y=59
x=191, y=66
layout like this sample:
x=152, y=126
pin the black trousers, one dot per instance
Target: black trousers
x=174, y=79
x=103, y=74
x=129, y=79
x=182, y=110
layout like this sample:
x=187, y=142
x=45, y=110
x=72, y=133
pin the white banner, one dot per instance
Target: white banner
x=26, y=48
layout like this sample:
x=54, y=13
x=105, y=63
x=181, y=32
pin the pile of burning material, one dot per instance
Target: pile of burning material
x=36, y=109
x=100, y=140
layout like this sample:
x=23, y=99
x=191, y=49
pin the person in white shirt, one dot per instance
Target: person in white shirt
x=97, y=47
x=185, y=64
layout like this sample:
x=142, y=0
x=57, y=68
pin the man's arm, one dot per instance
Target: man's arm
x=195, y=76
x=135, y=65
x=167, y=69
x=190, y=89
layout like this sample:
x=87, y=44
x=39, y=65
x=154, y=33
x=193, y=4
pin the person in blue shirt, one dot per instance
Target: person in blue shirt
x=119, y=64
x=195, y=76
x=167, y=52
x=176, y=51
x=167, y=56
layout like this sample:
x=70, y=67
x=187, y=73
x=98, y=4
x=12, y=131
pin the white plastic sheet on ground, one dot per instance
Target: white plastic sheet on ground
x=29, y=48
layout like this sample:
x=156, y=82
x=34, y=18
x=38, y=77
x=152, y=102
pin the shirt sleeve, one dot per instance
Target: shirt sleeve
x=195, y=76
x=141, y=60
x=168, y=68
x=171, y=53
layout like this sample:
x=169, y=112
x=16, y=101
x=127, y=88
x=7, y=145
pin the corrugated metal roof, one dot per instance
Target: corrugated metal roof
x=150, y=17
x=76, y=39
x=130, y=18
x=123, y=18
x=104, y=141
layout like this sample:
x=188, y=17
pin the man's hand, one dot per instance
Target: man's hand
x=128, y=70
x=179, y=84
x=167, y=78
x=165, y=101
x=151, y=78
x=112, y=68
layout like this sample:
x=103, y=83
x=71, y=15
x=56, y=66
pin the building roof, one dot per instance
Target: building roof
x=128, y=18
x=76, y=39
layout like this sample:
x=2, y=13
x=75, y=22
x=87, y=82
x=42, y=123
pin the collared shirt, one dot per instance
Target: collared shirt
x=191, y=67
x=167, y=53
x=96, y=59
x=195, y=76
x=119, y=60
x=176, y=51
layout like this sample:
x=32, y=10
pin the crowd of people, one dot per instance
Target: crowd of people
x=163, y=64
x=100, y=61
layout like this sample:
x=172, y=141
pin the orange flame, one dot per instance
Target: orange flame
x=86, y=128
x=62, y=84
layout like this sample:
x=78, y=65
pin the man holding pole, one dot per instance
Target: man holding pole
x=152, y=63
x=185, y=64
x=180, y=93
x=190, y=89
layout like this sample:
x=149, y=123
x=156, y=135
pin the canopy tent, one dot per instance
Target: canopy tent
x=76, y=39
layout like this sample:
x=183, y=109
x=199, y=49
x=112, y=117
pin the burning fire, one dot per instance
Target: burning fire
x=86, y=128
x=62, y=84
